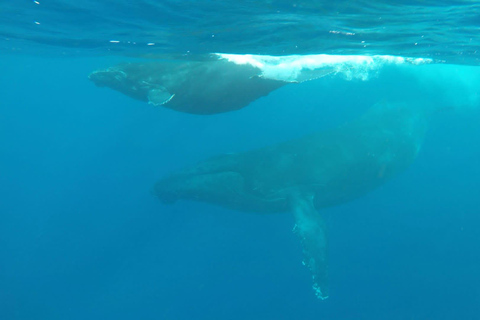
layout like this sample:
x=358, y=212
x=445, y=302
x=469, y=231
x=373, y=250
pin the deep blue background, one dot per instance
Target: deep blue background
x=82, y=237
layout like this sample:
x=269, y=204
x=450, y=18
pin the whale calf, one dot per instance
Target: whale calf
x=220, y=82
x=213, y=84
x=307, y=174
x=197, y=87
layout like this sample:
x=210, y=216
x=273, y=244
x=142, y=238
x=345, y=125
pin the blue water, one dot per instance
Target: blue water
x=441, y=29
x=82, y=237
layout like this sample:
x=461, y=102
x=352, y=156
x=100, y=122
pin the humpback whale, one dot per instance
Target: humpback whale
x=308, y=174
x=198, y=87
x=221, y=82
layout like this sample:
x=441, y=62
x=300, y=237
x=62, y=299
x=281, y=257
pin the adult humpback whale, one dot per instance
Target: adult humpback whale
x=307, y=174
x=198, y=87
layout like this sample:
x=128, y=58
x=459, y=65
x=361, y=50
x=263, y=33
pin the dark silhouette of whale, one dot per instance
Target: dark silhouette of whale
x=307, y=174
x=215, y=85
x=198, y=87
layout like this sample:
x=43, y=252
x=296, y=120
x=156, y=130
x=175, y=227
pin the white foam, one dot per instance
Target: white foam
x=298, y=68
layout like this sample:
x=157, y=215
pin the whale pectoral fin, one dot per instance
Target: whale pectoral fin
x=159, y=96
x=311, y=229
x=307, y=75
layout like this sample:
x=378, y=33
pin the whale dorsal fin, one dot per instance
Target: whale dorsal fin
x=311, y=229
x=159, y=96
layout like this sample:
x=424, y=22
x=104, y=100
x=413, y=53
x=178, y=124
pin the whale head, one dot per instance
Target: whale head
x=108, y=77
x=207, y=181
x=221, y=180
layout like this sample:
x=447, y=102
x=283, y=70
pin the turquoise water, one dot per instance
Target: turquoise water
x=444, y=30
x=82, y=236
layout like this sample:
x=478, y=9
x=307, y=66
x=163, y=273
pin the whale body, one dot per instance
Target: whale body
x=198, y=87
x=308, y=174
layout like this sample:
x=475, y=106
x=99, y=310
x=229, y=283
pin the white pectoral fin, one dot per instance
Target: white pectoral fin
x=311, y=229
x=312, y=74
x=159, y=96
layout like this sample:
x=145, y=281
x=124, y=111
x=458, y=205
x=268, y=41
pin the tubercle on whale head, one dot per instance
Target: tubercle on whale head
x=107, y=77
x=216, y=187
